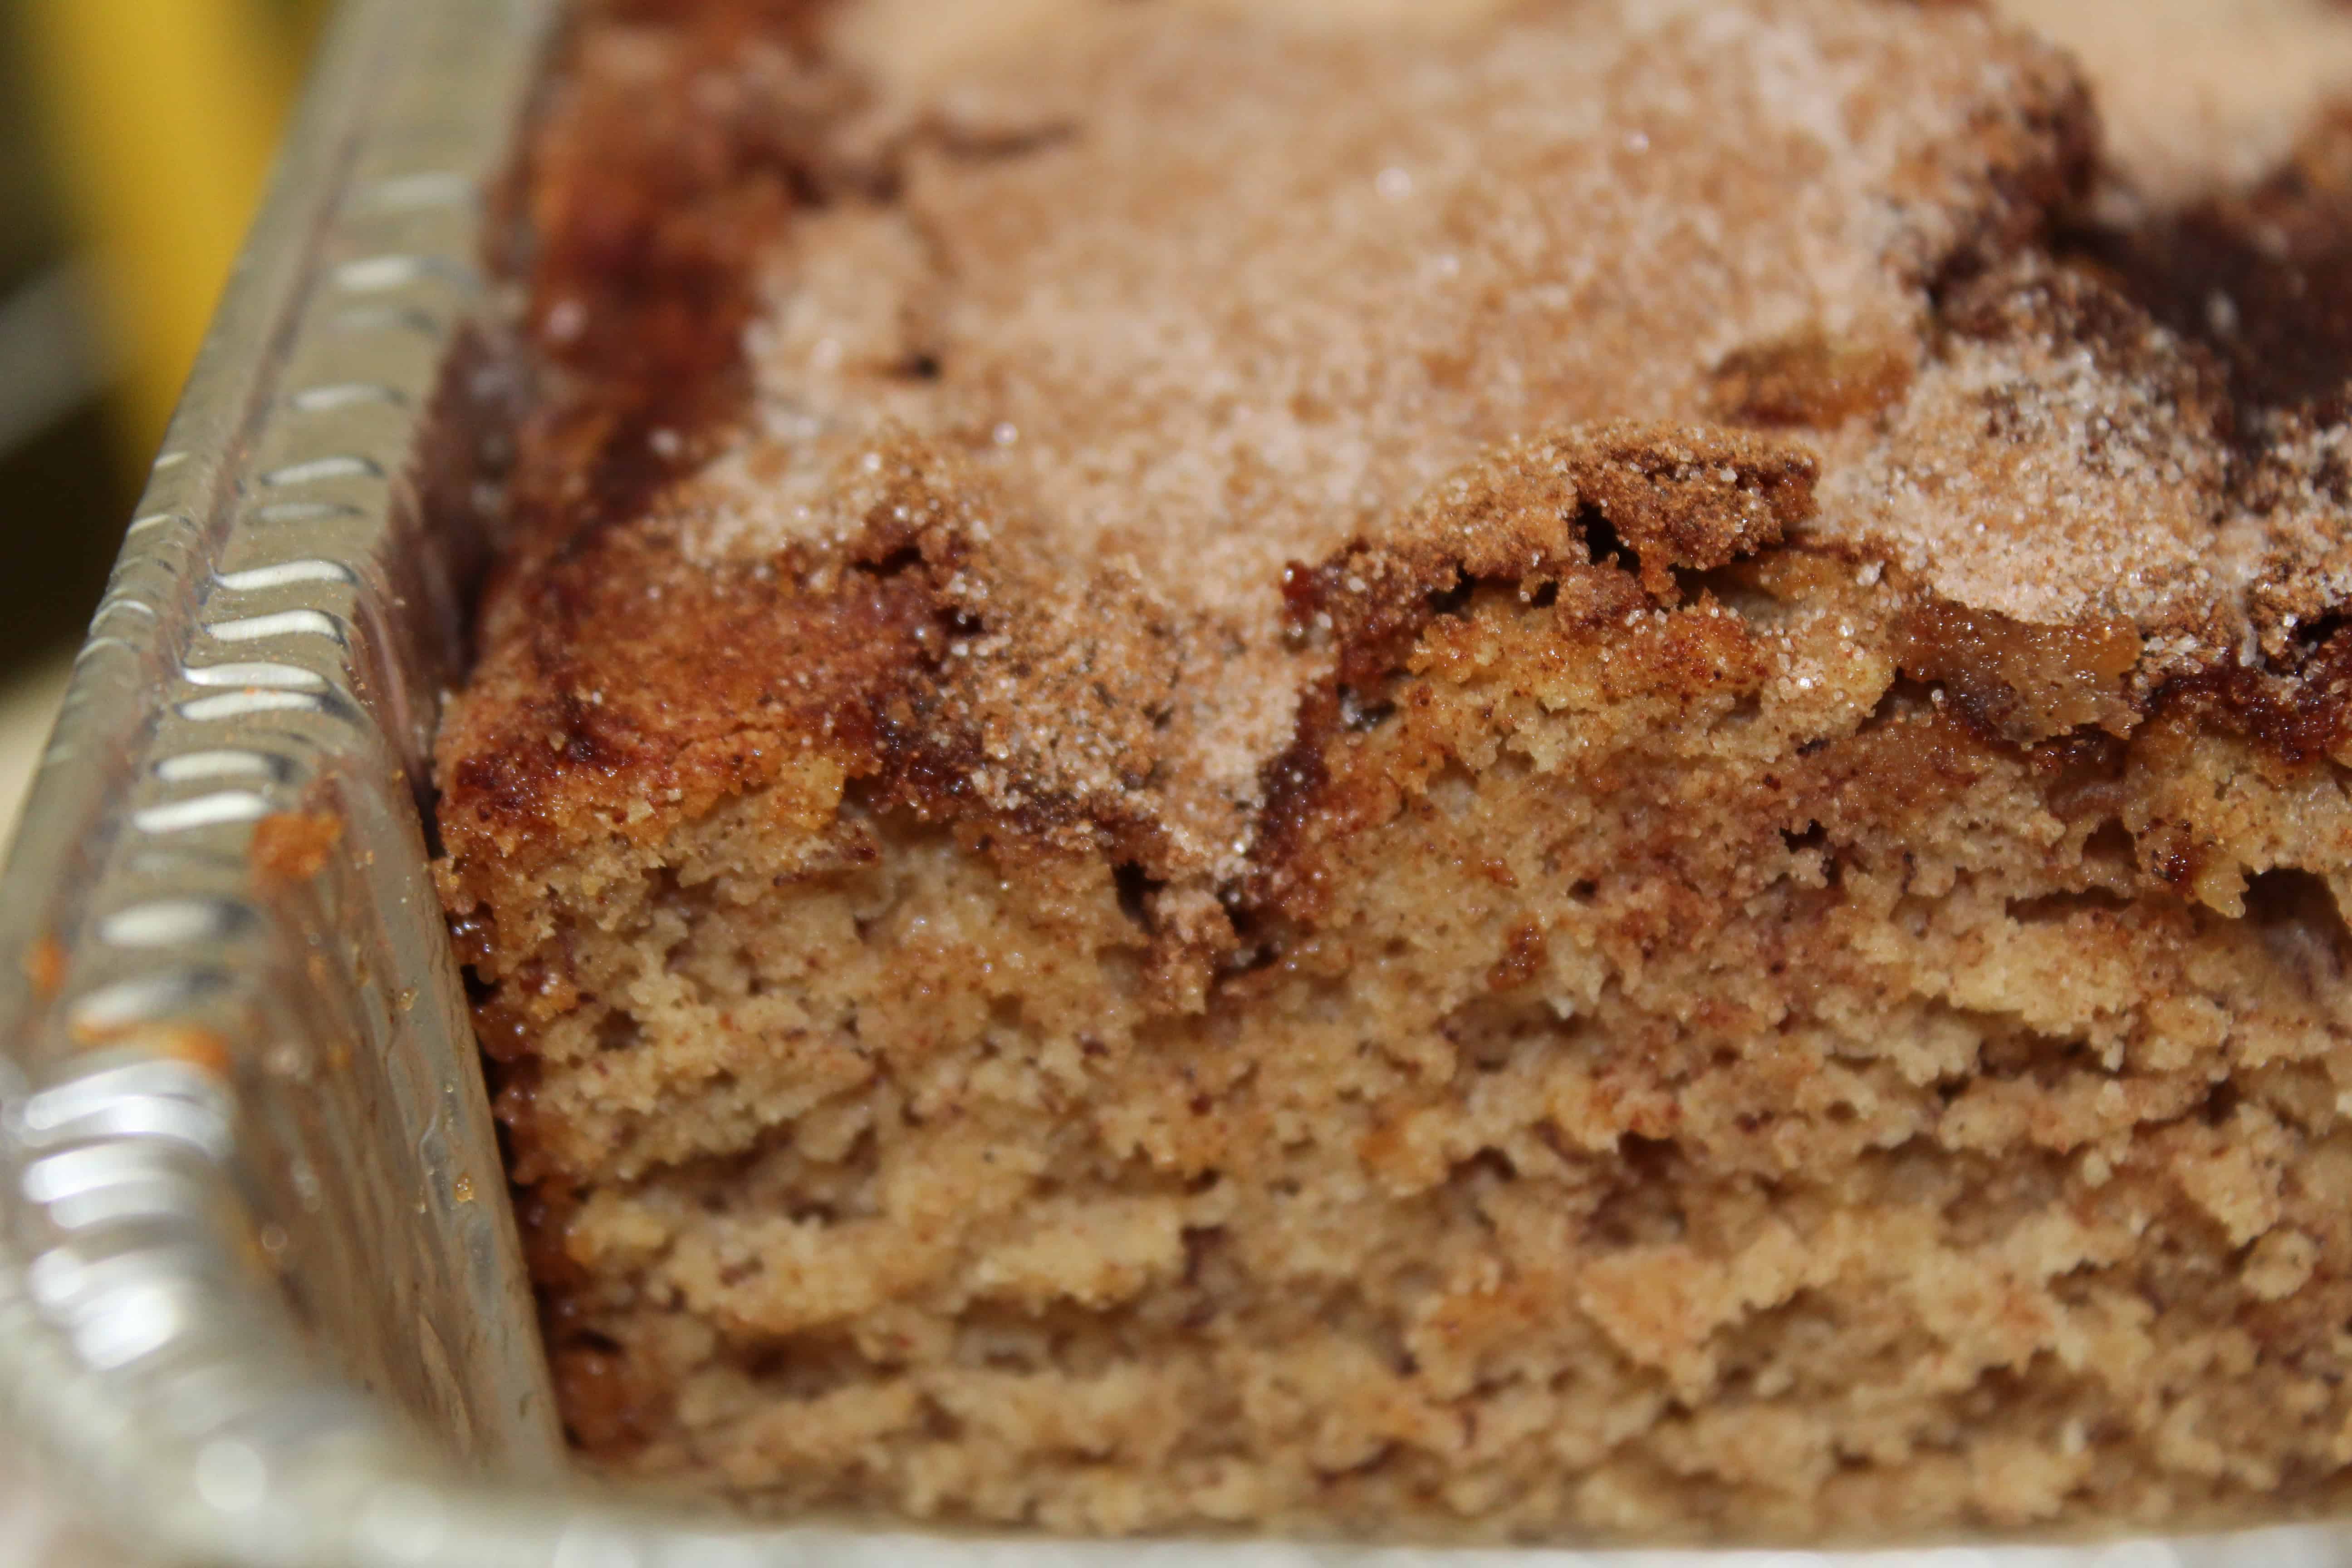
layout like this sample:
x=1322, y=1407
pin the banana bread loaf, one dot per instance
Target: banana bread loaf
x=1530, y=769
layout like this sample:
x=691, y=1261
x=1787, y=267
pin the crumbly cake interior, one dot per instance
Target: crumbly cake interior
x=1523, y=770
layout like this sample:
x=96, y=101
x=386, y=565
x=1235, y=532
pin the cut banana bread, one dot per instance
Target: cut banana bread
x=1528, y=770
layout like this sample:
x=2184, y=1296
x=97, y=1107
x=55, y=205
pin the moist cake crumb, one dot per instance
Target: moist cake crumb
x=1520, y=771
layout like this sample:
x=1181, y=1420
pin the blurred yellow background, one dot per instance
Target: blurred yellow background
x=135, y=137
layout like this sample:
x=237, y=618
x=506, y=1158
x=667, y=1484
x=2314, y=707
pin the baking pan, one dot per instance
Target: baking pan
x=261, y=1298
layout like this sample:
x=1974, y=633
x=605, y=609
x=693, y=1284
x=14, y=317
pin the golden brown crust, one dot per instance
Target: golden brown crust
x=701, y=191
x=2121, y=515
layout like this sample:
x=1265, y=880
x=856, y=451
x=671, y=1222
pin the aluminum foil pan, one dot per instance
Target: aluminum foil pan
x=262, y=1299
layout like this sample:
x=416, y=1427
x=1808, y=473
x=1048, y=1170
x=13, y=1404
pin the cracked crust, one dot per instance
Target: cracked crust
x=1516, y=768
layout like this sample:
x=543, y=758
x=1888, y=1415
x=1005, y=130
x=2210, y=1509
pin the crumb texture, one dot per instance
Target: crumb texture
x=1525, y=771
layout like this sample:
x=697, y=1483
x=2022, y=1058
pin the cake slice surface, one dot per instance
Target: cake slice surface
x=1527, y=771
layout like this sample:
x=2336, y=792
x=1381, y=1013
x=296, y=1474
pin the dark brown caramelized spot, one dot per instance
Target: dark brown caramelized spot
x=607, y=1407
x=2022, y=683
x=1810, y=379
x=1522, y=960
x=2298, y=720
x=1650, y=499
x=678, y=140
x=2264, y=279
